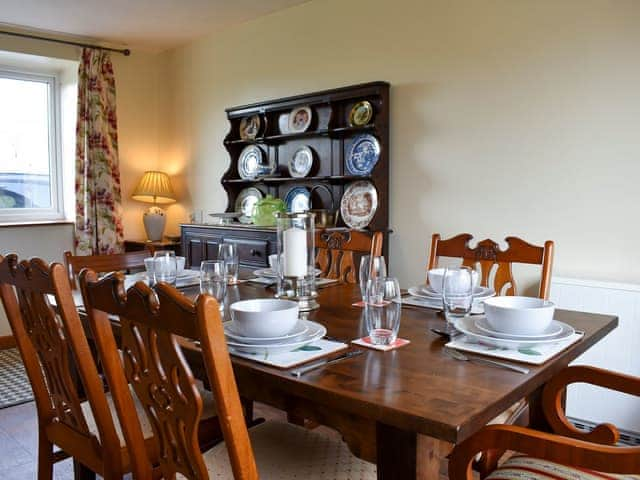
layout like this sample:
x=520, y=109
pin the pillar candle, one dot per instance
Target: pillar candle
x=295, y=252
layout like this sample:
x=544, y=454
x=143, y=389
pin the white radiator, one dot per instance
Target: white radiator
x=618, y=351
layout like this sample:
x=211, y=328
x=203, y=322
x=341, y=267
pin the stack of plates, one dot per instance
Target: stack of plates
x=303, y=333
x=479, y=329
x=426, y=292
x=271, y=273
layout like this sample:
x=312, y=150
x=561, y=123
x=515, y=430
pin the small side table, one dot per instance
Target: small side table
x=136, y=245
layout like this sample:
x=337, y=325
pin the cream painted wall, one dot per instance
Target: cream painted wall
x=508, y=116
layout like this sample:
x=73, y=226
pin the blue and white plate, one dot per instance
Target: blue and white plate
x=297, y=200
x=364, y=155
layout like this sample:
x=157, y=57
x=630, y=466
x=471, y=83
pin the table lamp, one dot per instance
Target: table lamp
x=154, y=187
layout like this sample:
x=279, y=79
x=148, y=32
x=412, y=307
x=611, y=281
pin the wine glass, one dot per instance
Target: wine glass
x=370, y=268
x=228, y=253
x=213, y=280
x=457, y=294
x=383, y=310
x=165, y=267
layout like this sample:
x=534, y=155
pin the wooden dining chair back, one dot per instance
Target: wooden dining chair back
x=339, y=252
x=104, y=263
x=151, y=323
x=487, y=256
x=55, y=352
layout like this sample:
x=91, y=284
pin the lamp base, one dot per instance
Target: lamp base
x=154, y=222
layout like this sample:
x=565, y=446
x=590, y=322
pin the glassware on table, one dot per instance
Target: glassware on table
x=165, y=267
x=370, y=268
x=457, y=294
x=228, y=253
x=383, y=310
x=213, y=280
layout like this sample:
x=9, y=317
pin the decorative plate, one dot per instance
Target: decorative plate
x=251, y=163
x=361, y=114
x=297, y=200
x=249, y=127
x=359, y=204
x=299, y=119
x=364, y=155
x=301, y=162
x=246, y=201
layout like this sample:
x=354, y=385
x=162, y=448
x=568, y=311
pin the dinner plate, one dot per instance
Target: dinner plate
x=299, y=329
x=270, y=273
x=363, y=156
x=552, y=330
x=467, y=326
x=361, y=114
x=359, y=204
x=300, y=119
x=315, y=332
x=251, y=163
x=424, y=291
x=245, y=203
x=301, y=162
x=297, y=200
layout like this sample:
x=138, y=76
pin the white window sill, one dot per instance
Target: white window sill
x=27, y=223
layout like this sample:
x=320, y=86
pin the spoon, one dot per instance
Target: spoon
x=461, y=356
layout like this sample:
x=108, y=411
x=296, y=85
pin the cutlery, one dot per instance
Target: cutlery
x=302, y=370
x=446, y=334
x=461, y=356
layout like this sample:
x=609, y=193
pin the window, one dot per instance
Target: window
x=30, y=159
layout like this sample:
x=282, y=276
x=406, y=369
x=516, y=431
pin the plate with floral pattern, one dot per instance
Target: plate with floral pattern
x=300, y=119
x=359, y=204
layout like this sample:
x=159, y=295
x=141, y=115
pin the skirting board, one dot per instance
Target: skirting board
x=7, y=341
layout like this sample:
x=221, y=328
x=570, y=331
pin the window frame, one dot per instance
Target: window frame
x=56, y=178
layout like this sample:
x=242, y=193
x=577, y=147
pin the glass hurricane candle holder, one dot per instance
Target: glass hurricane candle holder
x=296, y=259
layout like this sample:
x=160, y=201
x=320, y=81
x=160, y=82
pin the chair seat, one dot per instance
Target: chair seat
x=522, y=467
x=208, y=411
x=285, y=451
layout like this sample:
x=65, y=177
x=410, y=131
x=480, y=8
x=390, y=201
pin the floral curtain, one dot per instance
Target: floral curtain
x=98, y=207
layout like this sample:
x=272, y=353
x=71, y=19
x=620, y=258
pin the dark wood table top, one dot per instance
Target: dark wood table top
x=418, y=387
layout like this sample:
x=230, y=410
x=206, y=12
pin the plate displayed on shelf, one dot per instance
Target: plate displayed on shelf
x=249, y=127
x=467, y=325
x=297, y=200
x=299, y=119
x=361, y=114
x=301, y=162
x=283, y=123
x=359, y=204
x=364, y=155
x=245, y=203
x=251, y=163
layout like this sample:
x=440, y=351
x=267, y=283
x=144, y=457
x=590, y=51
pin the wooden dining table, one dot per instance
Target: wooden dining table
x=403, y=409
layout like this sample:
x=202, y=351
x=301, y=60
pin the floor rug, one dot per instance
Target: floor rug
x=14, y=383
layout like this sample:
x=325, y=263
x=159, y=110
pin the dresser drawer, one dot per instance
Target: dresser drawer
x=251, y=252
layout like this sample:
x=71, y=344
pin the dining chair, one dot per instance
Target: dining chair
x=565, y=452
x=339, y=251
x=104, y=263
x=487, y=256
x=154, y=326
x=55, y=352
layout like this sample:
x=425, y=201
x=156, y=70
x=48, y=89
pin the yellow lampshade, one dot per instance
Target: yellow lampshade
x=154, y=187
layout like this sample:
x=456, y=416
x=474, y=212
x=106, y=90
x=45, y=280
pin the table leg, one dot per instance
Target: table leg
x=537, y=419
x=403, y=455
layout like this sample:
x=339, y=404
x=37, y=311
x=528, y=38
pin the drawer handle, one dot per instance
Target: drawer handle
x=255, y=253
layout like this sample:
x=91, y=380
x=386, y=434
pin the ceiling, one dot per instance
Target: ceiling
x=153, y=25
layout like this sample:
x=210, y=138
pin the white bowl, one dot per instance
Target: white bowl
x=264, y=317
x=519, y=315
x=436, y=275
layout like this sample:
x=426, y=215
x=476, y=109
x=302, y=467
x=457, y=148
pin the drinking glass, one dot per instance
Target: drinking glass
x=213, y=280
x=165, y=267
x=228, y=253
x=383, y=310
x=370, y=268
x=457, y=294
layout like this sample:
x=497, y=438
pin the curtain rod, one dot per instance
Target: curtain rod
x=126, y=52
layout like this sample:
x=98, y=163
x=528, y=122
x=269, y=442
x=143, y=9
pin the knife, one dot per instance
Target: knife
x=307, y=368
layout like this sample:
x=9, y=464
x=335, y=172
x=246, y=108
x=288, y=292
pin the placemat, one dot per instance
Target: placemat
x=312, y=351
x=535, y=354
